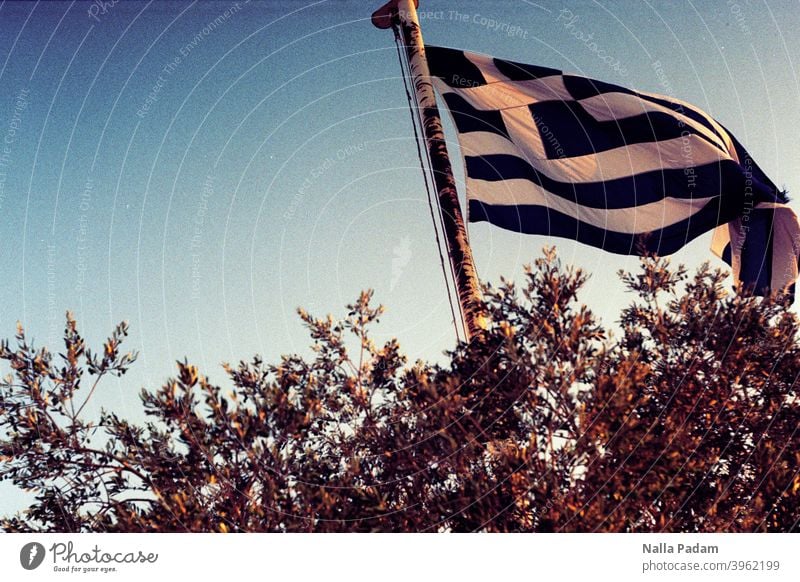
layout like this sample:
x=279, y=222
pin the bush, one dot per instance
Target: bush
x=687, y=422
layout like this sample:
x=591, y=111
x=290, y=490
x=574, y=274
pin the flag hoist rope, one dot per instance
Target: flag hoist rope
x=416, y=121
x=404, y=13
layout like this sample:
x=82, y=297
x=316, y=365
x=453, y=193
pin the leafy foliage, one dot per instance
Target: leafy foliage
x=686, y=422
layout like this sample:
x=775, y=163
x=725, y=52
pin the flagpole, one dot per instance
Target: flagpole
x=455, y=231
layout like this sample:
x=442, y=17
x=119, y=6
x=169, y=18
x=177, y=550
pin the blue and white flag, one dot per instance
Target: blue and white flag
x=626, y=171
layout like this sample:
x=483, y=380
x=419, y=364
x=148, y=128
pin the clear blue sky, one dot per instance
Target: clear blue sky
x=203, y=168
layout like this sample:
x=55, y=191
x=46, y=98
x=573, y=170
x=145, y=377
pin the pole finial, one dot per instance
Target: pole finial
x=382, y=17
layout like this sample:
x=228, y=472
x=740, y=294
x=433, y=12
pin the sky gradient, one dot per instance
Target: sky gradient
x=202, y=169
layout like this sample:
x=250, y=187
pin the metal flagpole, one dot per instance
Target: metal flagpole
x=466, y=279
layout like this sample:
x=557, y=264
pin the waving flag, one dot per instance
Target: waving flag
x=630, y=172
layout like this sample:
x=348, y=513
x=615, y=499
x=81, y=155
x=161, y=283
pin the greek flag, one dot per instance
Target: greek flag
x=626, y=171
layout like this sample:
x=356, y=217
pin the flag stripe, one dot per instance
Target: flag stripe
x=579, y=132
x=742, y=244
x=610, y=165
x=760, y=181
x=521, y=72
x=583, y=88
x=623, y=192
x=755, y=268
x=629, y=220
x=604, y=107
x=611, y=106
x=535, y=219
x=499, y=96
x=689, y=112
x=786, y=247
